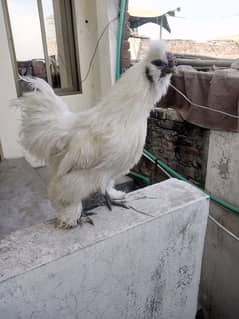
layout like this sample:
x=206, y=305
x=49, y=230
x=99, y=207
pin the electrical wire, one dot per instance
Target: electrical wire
x=176, y=89
x=94, y=52
x=202, y=106
x=96, y=47
x=209, y=216
x=223, y=228
x=175, y=174
x=158, y=163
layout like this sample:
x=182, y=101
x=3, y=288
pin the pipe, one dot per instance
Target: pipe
x=145, y=179
x=120, y=37
x=173, y=173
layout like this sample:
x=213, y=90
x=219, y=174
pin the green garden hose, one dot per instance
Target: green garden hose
x=120, y=37
x=175, y=174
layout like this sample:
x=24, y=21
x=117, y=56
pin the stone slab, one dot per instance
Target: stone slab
x=141, y=263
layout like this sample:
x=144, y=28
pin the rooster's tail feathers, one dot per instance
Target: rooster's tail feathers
x=46, y=120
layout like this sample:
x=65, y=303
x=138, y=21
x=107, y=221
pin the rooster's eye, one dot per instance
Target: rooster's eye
x=157, y=63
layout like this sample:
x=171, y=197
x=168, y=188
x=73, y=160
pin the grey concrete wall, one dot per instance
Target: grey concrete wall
x=220, y=277
x=143, y=262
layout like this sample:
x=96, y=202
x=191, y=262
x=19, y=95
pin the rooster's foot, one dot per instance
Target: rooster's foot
x=114, y=202
x=85, y=218
x=68, y=221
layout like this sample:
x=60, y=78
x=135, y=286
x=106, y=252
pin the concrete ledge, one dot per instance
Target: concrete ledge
x=138, y=263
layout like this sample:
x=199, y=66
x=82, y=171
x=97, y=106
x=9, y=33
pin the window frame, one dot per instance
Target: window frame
x=70, y=40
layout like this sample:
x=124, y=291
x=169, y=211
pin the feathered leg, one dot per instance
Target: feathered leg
x=69, y=190
x=70, y=216
x=73, y=215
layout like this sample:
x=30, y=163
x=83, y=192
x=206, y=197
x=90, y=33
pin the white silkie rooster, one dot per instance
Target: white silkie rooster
x=88, y=150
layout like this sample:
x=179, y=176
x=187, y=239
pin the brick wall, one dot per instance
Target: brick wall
x=126, y=59
x=181, y=145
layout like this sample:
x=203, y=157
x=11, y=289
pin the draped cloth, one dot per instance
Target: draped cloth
x=218, y=89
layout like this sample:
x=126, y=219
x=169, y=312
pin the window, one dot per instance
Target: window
x=43, y=42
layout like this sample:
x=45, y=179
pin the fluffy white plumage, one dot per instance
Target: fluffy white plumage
x=88, y=150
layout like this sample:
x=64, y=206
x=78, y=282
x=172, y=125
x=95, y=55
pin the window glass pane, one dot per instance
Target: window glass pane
x=56, y=24
x=52, y=50
x=43, y=39
x=27, y=39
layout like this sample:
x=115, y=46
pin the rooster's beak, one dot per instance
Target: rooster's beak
x=167, y=69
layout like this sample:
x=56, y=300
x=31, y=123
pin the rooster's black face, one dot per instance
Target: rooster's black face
x=165, y=68
x=160, y=68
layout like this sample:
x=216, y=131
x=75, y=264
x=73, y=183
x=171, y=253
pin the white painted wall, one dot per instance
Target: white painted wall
x=106, y=11
x=100, y=79
x=9, y=123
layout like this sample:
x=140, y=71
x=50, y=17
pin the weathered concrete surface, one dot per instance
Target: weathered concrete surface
x=23, y=195
x=220, y=279
x=143, y=262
